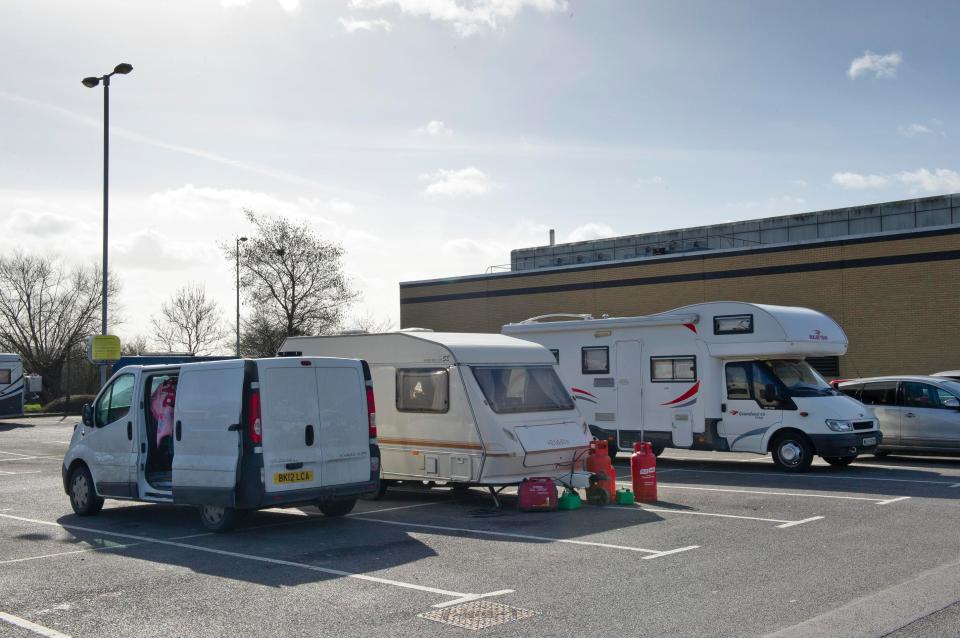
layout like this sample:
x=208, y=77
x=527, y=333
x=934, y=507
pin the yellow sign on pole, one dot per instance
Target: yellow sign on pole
x=103, y=349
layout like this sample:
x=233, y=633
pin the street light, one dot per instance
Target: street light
x=239, y=241
x=122, y=69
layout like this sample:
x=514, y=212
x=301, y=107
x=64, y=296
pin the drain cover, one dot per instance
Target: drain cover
x=478, y=614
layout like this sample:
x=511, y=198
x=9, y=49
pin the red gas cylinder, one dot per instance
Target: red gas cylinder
x=643, y=471
x=598, y=462
x=538, y=494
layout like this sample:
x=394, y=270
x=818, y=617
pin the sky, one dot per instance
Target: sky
x=431, y=137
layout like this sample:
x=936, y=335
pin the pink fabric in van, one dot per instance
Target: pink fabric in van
x=161, y=405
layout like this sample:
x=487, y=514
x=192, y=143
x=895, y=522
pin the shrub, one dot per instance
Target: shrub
x=76, y=402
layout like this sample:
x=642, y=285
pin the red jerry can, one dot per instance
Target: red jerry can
x=598, y=462
x=643, y=470
x=538, y=494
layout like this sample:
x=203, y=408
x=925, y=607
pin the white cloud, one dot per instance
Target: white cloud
x=352, y=25
x=590, y=231
x=434, y=128
x=880, y=65
x=341, y=207
x=802, y=183
x=940, y=180
x=290, y=6
x=914, y=129
x=656, y=180
x=464, y=182
x=859, y=181
x=469, y=17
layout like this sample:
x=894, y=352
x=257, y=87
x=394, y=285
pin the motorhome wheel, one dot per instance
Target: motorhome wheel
x=791, y=452
x=83, y=498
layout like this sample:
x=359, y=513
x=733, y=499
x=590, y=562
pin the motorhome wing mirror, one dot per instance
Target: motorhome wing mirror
x=86, y=415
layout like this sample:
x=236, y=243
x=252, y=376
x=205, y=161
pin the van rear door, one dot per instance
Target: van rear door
x=315, y=430
x=206, y=446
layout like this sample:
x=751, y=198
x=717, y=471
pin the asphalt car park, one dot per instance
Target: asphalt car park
x=732, y=548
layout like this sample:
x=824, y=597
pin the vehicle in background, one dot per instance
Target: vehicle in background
x=950, y=374
x=228, y=436
x=466, y=409
x=12, y=385
x=917, y=414
x=725, y=376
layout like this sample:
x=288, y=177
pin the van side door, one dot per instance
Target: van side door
x=114, y=462
x=206, y=433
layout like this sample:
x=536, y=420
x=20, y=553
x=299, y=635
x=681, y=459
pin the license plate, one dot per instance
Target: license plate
x=869, y=440
x=282, y=478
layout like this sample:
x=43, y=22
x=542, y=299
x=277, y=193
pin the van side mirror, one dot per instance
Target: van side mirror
x=86, y=415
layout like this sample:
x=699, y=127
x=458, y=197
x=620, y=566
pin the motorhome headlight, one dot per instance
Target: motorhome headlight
x=839, y=425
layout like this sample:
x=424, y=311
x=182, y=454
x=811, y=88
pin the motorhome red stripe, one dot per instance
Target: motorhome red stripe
x=584, y=392
x=686, y=395
x=691, y=326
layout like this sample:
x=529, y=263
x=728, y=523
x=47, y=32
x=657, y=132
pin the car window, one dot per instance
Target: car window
x=853, y=390
x=114, y=402
x=947, y=400
x=919, y=395
x=879, y=393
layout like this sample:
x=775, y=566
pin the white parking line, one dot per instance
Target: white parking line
x=893, y=500
x=458, y=596
x=31, y=458
x=877, y=501
x=661, y=510
x=14, y=453
x=486, y=532
x=76, y=551
x=29, y=626
x=831, y=477
x=3, y=473
x=806, y=520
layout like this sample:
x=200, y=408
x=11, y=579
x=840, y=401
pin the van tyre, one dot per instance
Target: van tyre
x=792, y=452
x=217, y=518
x=83, y=498
x=379, y=494
x=840, y=461
x=337, y=508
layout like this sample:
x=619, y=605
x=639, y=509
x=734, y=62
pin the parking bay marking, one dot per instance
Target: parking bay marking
x=783, y=523
x=818, y=476
x=458, y=597
x=877, y=501
x=29, y=626
x=651, y=553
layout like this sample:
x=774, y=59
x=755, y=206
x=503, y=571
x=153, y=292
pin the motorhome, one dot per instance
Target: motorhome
x=12, y=385
x=463, y=409
x=727, y=376
x=228, y=436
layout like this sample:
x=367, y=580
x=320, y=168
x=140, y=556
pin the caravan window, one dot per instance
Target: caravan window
x=732, y=324
x=423, y=390
x=4, y=377
x=664, y=369
x=595, y=360
x=522, y=388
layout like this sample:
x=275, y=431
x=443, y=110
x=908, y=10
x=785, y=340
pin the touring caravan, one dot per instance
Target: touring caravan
x=228, y=436
x=12, y=385
x=727, y=376
x=465, y=409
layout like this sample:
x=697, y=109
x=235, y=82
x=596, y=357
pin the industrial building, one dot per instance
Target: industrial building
x=889, y=273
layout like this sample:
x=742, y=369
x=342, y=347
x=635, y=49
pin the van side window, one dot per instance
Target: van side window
x=423, y=390
x=595, y=360
x=738, y=381
x=115, y=401
x=4, y=377
x=665, y=369
x=880, y=393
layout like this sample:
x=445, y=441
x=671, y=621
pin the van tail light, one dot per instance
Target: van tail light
x=255, y=425
x=371, y=410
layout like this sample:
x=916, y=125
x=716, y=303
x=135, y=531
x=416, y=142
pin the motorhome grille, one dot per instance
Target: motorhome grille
x=862, y=425
x=478, y=614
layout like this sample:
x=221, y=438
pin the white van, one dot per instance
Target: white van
x=727, y=376
x=466, y=409
x=228, y=436
x=11, y=385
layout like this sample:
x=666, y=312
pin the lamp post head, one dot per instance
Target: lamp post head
x=123, y=68
x=90, y=82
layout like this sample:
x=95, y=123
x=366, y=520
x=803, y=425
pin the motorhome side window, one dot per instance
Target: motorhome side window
x=114, y=402
x=423, y=390
x=664, y=369
x=595, y=360
x=4, y=377
x=732, y=324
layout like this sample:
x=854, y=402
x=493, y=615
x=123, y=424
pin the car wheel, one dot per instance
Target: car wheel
x=83, y=498
x=217, y=518
x=337, y=508
x=791, y=452
x=840, y=461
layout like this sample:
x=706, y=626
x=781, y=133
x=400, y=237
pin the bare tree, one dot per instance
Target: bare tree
x=189, y=322
x=136, y=345
x=261, y=337
x=47, y=311
x=293, y=277
x=368, y=322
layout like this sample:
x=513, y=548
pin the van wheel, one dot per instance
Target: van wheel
x=217, y=518
x=337, y=508
x=792, y=452
x=840, y=461
x=83, y=498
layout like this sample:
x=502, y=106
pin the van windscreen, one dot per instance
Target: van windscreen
x=510, y=389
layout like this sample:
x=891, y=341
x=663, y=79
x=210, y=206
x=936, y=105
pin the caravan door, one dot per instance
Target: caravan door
x=629, y=379
x=206, y=433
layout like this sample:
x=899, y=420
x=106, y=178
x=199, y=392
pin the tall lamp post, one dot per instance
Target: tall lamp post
x=239, y=241
x=123, y=68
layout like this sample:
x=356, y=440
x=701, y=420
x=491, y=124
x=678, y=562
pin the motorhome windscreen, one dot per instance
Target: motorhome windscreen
x=510, y=389
x=800, y=379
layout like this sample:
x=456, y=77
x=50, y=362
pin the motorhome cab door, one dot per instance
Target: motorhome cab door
x=750, y=410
